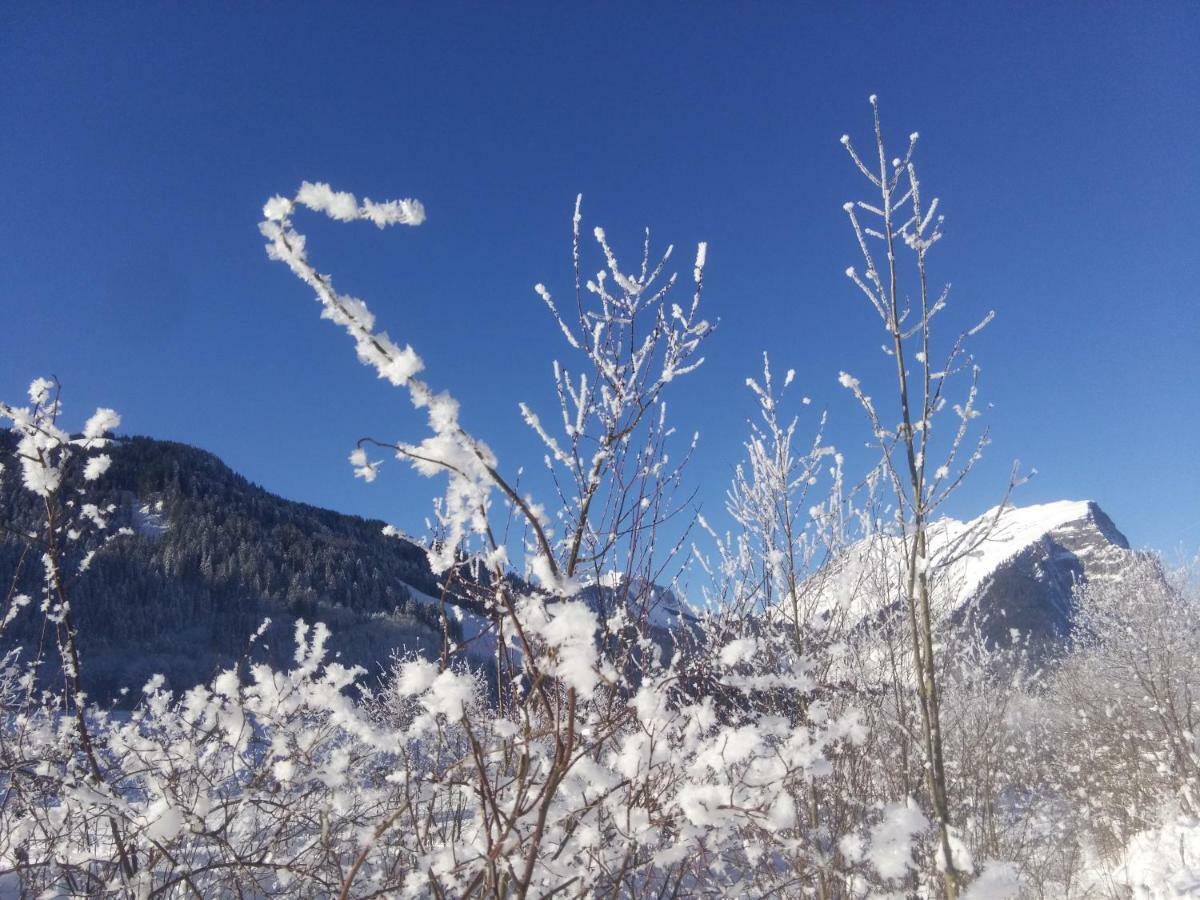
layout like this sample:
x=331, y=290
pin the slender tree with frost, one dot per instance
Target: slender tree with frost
x=898, y=218
x=48, y=456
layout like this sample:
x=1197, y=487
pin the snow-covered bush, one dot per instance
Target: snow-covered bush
x=583, y=759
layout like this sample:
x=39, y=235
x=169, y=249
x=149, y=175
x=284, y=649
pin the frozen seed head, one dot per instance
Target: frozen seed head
x=914, y=136
x=848, y=206
x=874, y=99
x=850, y=272
x=845, y=139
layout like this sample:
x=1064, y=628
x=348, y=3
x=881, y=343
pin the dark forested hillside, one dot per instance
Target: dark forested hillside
x=209, y=557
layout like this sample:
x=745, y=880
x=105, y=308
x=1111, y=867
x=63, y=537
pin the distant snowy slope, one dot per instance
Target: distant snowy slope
x=1031, y=589
x=973, y=551
x=1010, y=568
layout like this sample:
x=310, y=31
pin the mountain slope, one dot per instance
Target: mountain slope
x=1026, y=579
x=211, y=556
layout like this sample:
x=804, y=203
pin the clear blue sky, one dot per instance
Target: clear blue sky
x=140, y=140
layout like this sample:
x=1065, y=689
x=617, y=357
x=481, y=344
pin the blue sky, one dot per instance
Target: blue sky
x=140, y=142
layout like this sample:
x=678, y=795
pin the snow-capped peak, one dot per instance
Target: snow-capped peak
x=1055, y=545
x=967, y=553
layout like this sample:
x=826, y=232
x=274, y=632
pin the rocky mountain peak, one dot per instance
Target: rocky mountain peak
x=1012, y=569
x=1042, y=554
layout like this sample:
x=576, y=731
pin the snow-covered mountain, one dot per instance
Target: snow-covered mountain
x=1025, y=573
x=1010, y=568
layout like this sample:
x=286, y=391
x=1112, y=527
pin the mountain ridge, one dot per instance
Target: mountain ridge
x=1011, y=568
x=211, y=555
x=1032, y=590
